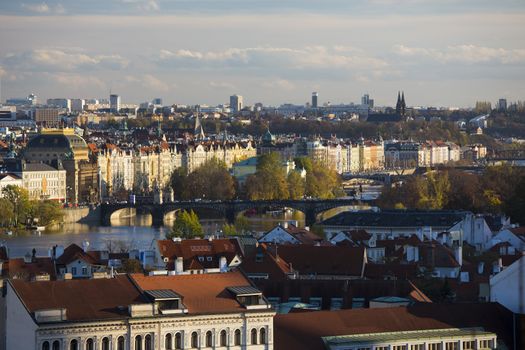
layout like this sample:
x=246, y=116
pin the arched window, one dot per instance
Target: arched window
x=73, y=345
x=149, y=343
x=194, y=340
x=45, y=345
x=56, y=345
x=262, y=336
x=168, y=342
x=121, y=342
x=237, y=338
x=90, y=345
x=138, y=342
x=254, y=336
x=178, y=341
x=105, y=343
x=223, y=338
x=209, y=339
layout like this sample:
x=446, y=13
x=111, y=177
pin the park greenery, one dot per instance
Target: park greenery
x=497, y=190
x=212, y=181
x=17, y=210
x=270, y=181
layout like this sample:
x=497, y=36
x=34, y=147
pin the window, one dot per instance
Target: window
x=90, y=345
x=148, y=342
x=381, y=348
x=237, y=337
x=138, y=342
x=254, y=336
x=105, y=343
x=120, y=343
x=399, y=347
x=469, y=345
x=73, y=345
x=435, y=346
x=262, y=336
x=194, y=340
x=168, y=342
x=209, y=339
x=56, y=345
x=84, y=270
x=74, y=270
x=209, y=258
x=45, y=345
x=485, y=344
x=451, y=346
x=417, y=347
x=223, y=338
x=178, y=341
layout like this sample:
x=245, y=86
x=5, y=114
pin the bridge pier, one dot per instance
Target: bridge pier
x=230, y=215
x=310, y=217
x=157, y=217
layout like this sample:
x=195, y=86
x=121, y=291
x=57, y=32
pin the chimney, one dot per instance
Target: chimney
x=223, y=264
x=179, y=265
x=481, y=266
x=85, y=246
x=285, y=225
x=458, y=254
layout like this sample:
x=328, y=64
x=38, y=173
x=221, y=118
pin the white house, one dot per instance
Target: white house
x=514, y=236
x=508, y=287
x=137, y=312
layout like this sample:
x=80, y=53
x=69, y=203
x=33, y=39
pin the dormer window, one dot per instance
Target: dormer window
x=209, y=258
x=201, y=258
x=249, y=297
x=166, y=300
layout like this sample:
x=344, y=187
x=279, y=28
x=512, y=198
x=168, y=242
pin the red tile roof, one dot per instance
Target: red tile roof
x=201, y=293
x=83, y=299
x=304, y=330
x=74, y=252
x=18, y=269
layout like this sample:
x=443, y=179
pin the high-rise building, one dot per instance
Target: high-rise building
x=367, y=101
x=236, y=103
x=114, y=103
x=157, y=101
x=502, y=104
x=315, y=97
x=77, y=105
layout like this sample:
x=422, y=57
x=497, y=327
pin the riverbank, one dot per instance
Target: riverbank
x=84, y=215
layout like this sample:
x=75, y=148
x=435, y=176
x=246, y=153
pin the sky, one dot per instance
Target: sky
x=439, y=52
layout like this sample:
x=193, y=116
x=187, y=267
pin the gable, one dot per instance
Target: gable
x=278, y=235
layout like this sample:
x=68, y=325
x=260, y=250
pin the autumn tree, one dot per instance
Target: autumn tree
x=269, y=181
x=186, y=225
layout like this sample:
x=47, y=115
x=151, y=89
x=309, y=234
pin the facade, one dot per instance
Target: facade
x=63, y=147
x=236, y=103
x=48, y=117
x=77, y=105
x=9, y=180
x=114, y=103
x=315, y=97
x=138, y=312
x=506, y=287
x=60, y=102
x=43, y=181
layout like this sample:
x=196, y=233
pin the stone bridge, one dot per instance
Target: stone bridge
x=228, y=209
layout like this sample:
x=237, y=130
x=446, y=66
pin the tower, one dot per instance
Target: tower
x=236, y=103
x=403, y=104
x=114, y=103
x=198, y=131
x=398, y=103
x=315, y=97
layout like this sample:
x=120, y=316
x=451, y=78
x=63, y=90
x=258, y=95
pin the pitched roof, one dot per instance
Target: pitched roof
x=191, y=249
x=201, y=293
x=396, y=218
x=83, y=299
x=322, y=260
x=17, y=268
x=304, y=330
x=74, y=252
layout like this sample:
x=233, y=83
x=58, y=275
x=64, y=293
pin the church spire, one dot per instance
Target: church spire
x=198, y=131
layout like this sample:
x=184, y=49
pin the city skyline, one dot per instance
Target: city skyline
x=266, y=51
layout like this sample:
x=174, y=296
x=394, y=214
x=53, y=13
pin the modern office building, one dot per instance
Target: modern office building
x=77, y=105
x=236, y=103
x=49, y=117
x=114, y=103
x=315, y=101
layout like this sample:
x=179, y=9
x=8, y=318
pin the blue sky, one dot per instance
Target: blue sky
x=440, y=52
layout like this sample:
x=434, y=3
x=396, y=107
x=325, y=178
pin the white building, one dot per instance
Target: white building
x=508, y=287
x=138, y=312
x=114, y=103
x=236, y=103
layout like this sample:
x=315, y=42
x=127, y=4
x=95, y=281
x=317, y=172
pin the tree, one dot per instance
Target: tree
x=186, y=225
x=229, y=230
x=242, y=224
x=178, y=183
x=131, y=266
x=47, y=212
x=269, y=181
x=6, y=212
x=296, y=185
x=323, y=182
x=515, y=207
x=19, y=197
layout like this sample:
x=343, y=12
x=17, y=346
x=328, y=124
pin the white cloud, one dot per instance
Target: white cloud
x=62, y=60
x=39, y=8
x=318, y=57
x=143, y=5
x=281, y=84
x=469, y=54
x=153, y=83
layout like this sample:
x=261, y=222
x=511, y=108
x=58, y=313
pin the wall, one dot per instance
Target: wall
x=20, y=327
x=82, y=215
